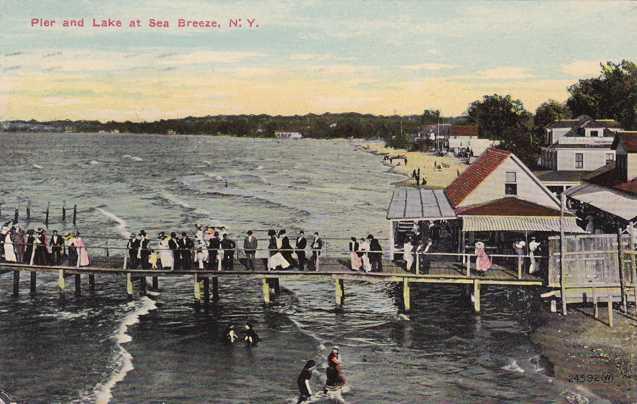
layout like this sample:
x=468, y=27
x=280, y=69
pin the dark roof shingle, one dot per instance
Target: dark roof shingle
x=508, y=206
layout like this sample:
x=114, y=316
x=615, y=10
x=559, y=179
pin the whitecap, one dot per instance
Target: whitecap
x=122, y=225
x=94, y=163
x=103, y=392
x=39, y=167
x=135, y=158
x=513, y=367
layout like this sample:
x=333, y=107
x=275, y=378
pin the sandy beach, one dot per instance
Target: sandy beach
x=449, y=167
x=588, y=352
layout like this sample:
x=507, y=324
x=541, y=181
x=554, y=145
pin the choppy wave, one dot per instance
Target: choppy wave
x=174, y=200
x=122, y=358
x=122, y=225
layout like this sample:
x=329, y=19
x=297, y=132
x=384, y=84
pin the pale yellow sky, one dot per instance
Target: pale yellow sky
x=308, y=56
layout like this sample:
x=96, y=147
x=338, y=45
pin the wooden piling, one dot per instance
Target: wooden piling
x=595, y=308
x=197, y=288
x=265, y=290
x=142, y=286
x=406, y=296
x=61, y=281
x=155, y=282
x=64, y=211
x=78, y=285
x=206, y=289
x=340, y=292
x=33, y=282
x=16, y=216
x=91, y=282
x=562, y=254
x=610, y=311
x=16, y=283
x=130, y=288
x=620, y=260
x=215, y=288
x=476, y=296
x=74, y=214
x=277, y=286
x=46, y=214
x=29, y=210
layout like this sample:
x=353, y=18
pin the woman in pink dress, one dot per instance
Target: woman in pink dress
x=81, y=250
x=483, y=262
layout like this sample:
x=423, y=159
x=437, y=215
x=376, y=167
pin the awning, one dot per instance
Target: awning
x=520, y=223
x=419, y=204
x=616, y=203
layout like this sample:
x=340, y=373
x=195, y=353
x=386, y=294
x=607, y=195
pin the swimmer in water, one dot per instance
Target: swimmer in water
x=303, y=381
x=335, y=380
x=251, y=337
x=230, y=335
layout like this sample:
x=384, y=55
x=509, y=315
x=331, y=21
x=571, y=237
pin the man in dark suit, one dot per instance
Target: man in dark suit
x=317, y=246
x=144, y=250
x=186, y=247
x=173, y=244
x=250, y=245
x=133, y=248
x=286, y=249
x=213, y=246
x=57, y=248
x=228, y=252
x=376, y=254
x=301, y=244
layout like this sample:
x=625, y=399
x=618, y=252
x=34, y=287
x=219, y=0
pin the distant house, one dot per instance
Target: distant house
x=609, y=195
x=288, y=135
x=460, y=136
x=575, y=148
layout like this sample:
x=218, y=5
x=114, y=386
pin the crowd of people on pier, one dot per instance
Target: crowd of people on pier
x=38, y=247
x=212, y=248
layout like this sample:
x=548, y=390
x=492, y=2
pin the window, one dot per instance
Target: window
x=510, y=183
x=579, y=160
x=594, y=133
x=610, y=157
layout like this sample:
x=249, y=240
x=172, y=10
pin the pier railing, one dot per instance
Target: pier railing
x=116, y=254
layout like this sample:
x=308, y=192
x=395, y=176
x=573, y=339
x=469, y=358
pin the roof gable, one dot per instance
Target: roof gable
x=473, y=176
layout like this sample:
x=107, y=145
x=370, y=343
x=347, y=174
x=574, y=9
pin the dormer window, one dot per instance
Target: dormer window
x=595, y=133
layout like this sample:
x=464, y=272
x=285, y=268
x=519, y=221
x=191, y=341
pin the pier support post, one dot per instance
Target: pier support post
x=406, y=296
x=277, y=286
x=130, y=288
x=215, y=288
x=595, y=308
x=265, y=289
x=16, y=283
x=33, y=282
x=476, y=296
x=340, y=293
x=142, y=286
x=61, y=281
x=91, y=282
x=610, y=311
x=197, y=286
x=78, y=285
x=206, y=289
x=155, y=282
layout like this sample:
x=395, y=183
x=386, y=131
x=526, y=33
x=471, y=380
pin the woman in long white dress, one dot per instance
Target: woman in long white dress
x=9, y=250
x=363, y=247
x=276, y=258
x=165, y=253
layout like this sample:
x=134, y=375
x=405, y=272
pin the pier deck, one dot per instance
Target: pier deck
x=330, y=269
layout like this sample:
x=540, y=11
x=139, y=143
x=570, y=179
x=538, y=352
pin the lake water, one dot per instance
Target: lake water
x=102, y=347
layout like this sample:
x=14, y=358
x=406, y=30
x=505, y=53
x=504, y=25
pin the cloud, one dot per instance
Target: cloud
x=505, y=73
x=582, y=68
x=428, y=66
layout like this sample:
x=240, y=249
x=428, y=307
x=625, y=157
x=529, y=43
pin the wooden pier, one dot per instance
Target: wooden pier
x=332, y=270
